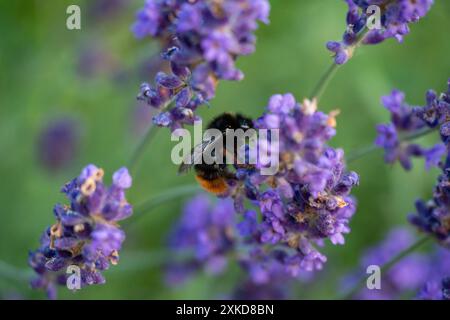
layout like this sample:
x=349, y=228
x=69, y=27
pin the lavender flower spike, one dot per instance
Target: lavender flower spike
x=407, y=121
x=202, y=40
x=433, y=217
x=86, y=233
x=307, y=201
x=395, y=18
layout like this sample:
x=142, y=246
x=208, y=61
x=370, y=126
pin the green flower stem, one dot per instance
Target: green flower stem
x=319, y=89
x=418, y=134
x=162, y=198
x=387, y=266
x=324, y=81
x=135, y=261
x=359, y=153
x=139, y=151
x=10, y=272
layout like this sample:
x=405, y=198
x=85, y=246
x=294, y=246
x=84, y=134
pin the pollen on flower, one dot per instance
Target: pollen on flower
x=293, y=240
x=78, y=227
x=56, y=230
x=341, y=203
x=88, y=187
x=332, y=118
x=300, y=217
x=114, y=257
x=98, y=176
x=309, y=106
x=76, y=250
x=298, y=136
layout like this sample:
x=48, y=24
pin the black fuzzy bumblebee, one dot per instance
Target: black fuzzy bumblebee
x=212, y=177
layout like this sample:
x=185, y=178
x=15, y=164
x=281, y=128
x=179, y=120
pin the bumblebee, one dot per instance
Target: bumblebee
x=213, y=177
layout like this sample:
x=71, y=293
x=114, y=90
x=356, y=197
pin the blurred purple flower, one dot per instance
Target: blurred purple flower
x=435, y=287
x=417, y=274
x=248, y=290
x=94, y=60
x=102, y=9
x=207, y=232
x=58, y=143
x=446, y=288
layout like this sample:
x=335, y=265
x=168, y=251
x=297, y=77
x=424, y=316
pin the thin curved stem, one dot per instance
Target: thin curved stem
x=319, y=89
x=324, y=81
x=135, y=261
x=359, y=153
x=161, y=198
x=149, y=135
x=139, y=151
x=10, y=272
x=418, y=134
x=387, y=266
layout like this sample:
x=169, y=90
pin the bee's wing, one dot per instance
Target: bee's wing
x=196, y=155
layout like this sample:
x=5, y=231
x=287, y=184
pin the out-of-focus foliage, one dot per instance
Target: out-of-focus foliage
x=93, y=74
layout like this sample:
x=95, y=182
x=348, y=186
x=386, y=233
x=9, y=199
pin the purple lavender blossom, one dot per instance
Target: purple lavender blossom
x=307, y=200
x=433, y=217
x=396, y=16
x=436, y=113
x=202, y=40
x=405, y=122
x=58, y=143
x=86, y=233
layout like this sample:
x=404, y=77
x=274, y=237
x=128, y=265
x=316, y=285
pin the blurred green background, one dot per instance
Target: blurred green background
x=93, y=75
